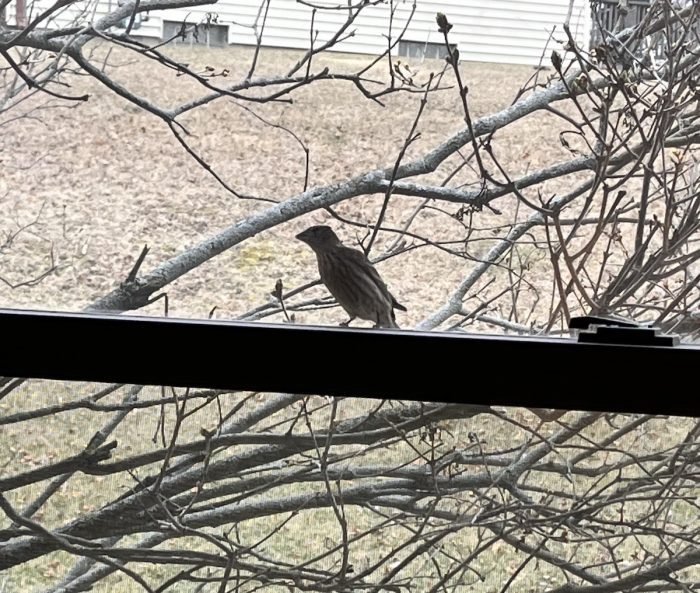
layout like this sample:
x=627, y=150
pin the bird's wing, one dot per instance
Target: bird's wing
x=360, y=259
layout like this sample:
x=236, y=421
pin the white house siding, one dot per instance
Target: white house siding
x=505, y=31
x=288, y=23
x=502, y=31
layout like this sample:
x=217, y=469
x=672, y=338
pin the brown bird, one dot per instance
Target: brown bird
x=351, y=278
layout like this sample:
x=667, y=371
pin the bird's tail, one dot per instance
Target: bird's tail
x=396, y=305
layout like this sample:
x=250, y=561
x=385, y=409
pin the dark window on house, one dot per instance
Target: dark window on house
x=203, y=34
x=422, y=49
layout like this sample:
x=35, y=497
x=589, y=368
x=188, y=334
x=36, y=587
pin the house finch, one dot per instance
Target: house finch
x=351, y=278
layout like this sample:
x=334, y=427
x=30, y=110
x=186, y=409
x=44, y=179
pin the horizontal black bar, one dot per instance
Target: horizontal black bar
x=400, y=364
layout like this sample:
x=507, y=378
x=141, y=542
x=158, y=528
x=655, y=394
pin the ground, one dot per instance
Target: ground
x=107, y=178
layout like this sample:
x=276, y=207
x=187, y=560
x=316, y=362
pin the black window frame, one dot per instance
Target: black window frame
x=542, y=372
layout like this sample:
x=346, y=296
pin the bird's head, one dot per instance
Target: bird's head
x=319, y=237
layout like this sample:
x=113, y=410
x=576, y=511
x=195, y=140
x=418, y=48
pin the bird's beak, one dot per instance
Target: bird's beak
x=301, y=236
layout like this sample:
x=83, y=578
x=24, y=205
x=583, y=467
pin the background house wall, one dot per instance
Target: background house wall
x=501, y=31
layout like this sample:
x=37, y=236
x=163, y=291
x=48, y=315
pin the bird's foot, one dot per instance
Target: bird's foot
x=347, y=323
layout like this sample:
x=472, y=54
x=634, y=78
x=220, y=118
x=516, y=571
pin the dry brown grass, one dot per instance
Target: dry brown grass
x=36, y=443
x=111, y=178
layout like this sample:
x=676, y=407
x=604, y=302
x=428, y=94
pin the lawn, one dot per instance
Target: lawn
x=102, y=179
